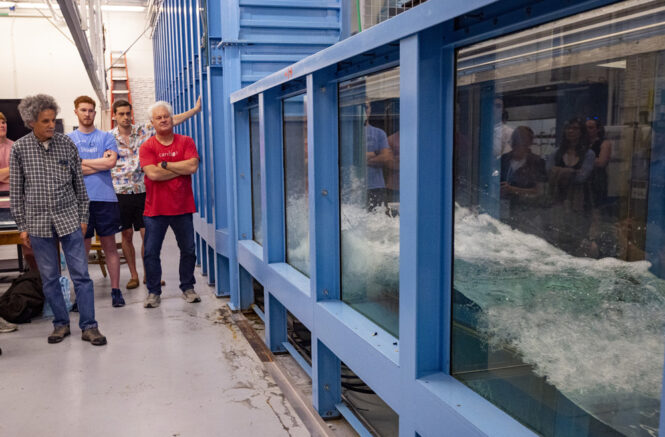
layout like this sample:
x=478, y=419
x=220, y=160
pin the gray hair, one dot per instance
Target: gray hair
x=161, y=103
x=31, y=106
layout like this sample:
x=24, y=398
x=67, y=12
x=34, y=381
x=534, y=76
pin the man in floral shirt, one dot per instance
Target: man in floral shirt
x=128, y=177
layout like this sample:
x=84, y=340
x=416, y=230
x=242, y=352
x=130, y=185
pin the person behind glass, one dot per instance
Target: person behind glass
x=569, y=171
x=502, y=132
x=602, y=149
x=391, y=172
x=378, y=155
x=99, y=152
x=5, y=151
x=128, y=180
x=168, y=161
x=522, y=177
x=49, y=202
x=602, y=239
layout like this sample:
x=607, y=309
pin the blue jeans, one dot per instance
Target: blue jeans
x=48, y=261
x=155, y=230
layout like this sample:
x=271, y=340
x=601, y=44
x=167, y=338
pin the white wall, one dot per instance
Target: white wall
x=38, y=58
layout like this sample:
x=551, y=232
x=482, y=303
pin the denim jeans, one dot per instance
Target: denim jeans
x=155, y=230
x=48, y=261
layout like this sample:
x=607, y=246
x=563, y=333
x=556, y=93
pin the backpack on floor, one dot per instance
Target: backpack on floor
x=24, y=299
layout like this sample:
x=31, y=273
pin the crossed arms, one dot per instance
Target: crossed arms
x=173, y=170
x=106, y=162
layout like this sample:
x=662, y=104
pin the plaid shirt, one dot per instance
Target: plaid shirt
x=46, y=188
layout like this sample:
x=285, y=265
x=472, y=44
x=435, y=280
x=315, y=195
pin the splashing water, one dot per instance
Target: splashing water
x=592, y=328
x=370, y=244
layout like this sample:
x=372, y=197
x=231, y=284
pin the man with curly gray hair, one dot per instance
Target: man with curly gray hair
x=49, y=202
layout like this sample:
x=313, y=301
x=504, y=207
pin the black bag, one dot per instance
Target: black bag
x=24, y=299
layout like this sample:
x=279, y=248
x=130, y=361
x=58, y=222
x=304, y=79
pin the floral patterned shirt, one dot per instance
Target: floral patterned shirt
x=127, y=173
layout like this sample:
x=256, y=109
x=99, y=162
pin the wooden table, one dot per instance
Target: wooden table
x=8, y=237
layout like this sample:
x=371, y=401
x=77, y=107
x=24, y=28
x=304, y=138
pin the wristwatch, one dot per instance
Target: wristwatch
x=164, y=164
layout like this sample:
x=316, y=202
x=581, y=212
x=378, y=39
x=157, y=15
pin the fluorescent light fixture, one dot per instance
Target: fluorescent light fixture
x=23, y=5
x=110, y=8
x=120, y=8
x=616, y=64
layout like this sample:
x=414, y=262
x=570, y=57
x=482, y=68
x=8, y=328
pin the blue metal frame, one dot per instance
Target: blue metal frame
x=244, y=40
x=412, y=374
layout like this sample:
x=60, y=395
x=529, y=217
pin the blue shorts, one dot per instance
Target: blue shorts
x=104, y=219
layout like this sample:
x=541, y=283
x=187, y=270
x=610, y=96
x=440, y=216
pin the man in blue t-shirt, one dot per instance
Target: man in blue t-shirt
x=99, y=152
x=378, y=154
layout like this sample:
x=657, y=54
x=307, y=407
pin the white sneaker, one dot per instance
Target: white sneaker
x=152, y=301
x=5, y=326
x=190, y=296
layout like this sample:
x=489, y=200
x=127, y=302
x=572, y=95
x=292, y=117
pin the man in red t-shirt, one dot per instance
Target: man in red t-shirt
x=168, y=161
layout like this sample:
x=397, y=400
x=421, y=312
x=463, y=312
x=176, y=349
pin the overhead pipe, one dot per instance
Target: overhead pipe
x=72, y=18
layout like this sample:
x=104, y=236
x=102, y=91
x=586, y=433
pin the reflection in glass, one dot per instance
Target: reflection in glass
x=255, y=162
x=369, y=195
x=559, y=297
x=295, y=182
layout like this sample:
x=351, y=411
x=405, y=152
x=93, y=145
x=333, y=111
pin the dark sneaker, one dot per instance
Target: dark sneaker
x=152, y=301
x=116, y=298
x=93, y=336
x=59, y=334
x=190, y=296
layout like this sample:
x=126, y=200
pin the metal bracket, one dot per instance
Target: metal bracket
x=215, y=52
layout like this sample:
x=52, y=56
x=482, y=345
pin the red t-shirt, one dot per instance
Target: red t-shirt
x=175, y=196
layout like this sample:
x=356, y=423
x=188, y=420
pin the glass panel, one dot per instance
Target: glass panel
x=559, y=298
x=255, y=157
x=295, y=182
x=369, y=195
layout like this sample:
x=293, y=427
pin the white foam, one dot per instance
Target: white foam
x=593, y=328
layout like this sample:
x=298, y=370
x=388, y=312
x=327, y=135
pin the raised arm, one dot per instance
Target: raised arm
x=182, y=117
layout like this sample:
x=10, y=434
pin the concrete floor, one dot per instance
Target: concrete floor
x=178, y=370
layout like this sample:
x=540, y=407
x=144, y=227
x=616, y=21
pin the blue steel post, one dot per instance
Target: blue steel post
x=192, y=123
x=175, y=53
x=275, y=323
x=272, y=169
x=179, y=85
x=245, y=296
x=324, y=179
x=242, y=295
x=204, y=166
x=231, y=83
x=422, y=210
x=202, y=119
x=272, y=162
x=243, y=172
x=216, y=108
x=322, y=148
x=326, y=384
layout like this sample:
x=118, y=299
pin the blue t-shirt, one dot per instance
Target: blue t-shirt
x=93, y=146
x=375, y=140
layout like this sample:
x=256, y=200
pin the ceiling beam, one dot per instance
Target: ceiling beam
x=70, y=12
